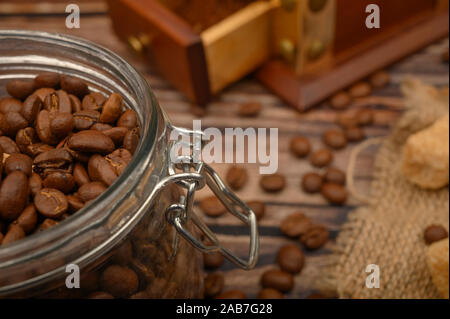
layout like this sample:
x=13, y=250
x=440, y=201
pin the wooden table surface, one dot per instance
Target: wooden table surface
x=222, y=113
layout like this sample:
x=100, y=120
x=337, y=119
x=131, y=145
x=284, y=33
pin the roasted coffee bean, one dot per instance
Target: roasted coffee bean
x=365, y=117
x=295, y=225
x=213, y=260
x=25, y=137
x=119, y=159
x=80, y=175
x=251, y=109
x=13, y=195
x=58, y=101
x=46, y=224
x=11, y=123
x=36, y=149
x=214, y=283
x=123, y=254
x=346, y=120
x=128, y=119
x=334, y=193
x=117, y=134
x=15, y=233
x=360, y=89
x=434, y=233
x=8, y=145
x=51, y=203
x=232, y=294
x=54, y=159
x=335, y=139
x=290, y=259
x=91, y=141
x=35, y=183
x=43, y=129
x=93, y=101
x=278, y=280
x=31, y=108
x=321, y=158
x=102, y=127
x=47, y=80
x=75, y=103
x=354, y=134
x=312, y=183
x=119, y=281
x=100, y=170
x=236, y=177
x=269, y=293
x=74, y=86
x=90, y=191
x=10, y=104
x=258, y=208
x=334, y=175
x=315, y=237
x=61, y=124
x=212, y=206
x=380, y=79
x=84, y=120
x=100, y=295
x=300, y=146
x=20, y=89
x=112, y=109
x=43, y=92
x=75, y=203
x=18, y=162
x=90, y=281
x=272, y=183
x=131, y=140
x=340, y=101
x=61, y=181
x=27, y=220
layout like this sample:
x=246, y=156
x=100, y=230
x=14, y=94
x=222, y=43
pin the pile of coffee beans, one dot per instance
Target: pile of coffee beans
x=61, y=146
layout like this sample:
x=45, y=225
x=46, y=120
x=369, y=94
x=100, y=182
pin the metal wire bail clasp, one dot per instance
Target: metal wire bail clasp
x=192, y=176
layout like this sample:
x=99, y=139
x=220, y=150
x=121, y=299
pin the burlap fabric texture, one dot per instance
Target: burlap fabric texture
x=388, y=229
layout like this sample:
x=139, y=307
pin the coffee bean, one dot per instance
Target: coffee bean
x=43, y=92
x=290, y=259
x=54, y=159
x=27, y=220
x=300, y=146
x=103, y=127
x=119, y=159
x=93, y=101
x=43, y=129
x=346, y=120
x=312, y=183
x=335, y=139
x=272, y=183
x=47, y=80
x=8, y=145
x=251, y=109
x=112, y=109
x=46, y=224
x=269, y=293
x=380, y=79
x=10, y=104
x=214, y=283
x=20, y=89
x=434, y=233
x=13, y=195
x=100, y=170
x=354, y=134
x=340, y=100
x=14, y=233
x=212, y=206
x=74, y=86
x=117, y=134
x=61, y=124
x=258, y=208
x=232, y=294
x=365, y=117
x=90, y=191
x=212, y=260
x=75, y=103
x=295, y=225
x=315, y=237
x=321, y=158
x=278, y=280
x=100, y=295
x=84, y=120
x=131, y=140
x=236, y=177
x=334, y=193
x=80, y=175
x=58, y=101
x=335, y=175
x=61, y=181
x=31, y=107
x=35, y=183
x=18, y=162
x=51, y=203
x=36, y=149
x=26, y=137
x=75, y=203
x=128, y=119
x=119, y=281
x=91, y=141
x=11, y=123
x=360, y=89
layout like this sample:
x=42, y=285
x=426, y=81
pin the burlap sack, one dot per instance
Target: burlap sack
x=388, y=231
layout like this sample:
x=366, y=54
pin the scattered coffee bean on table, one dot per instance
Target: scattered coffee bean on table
x=272, y=183
x=334, y=193
x=365, y=117
x=214, y=283
x=315, y=237
x=232, y=294
x=290, y=259
x=278, y=280
x=340, y=101
x=300, y=146
x=335, y=139
x=269, y=293
x=258, y=207
x=346, y=120
x=321, y=158
x=312, y=183
x=354, y=134
x=236, y=177
x=213, y=260
x=295, y=225
x=119, y=281
x=251, y=109
x=212, y=206
x=380, y=79
x=335, y=175
x=360, y=89
x=434, y=233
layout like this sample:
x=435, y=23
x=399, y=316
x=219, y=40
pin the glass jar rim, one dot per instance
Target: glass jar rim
x=32, y=246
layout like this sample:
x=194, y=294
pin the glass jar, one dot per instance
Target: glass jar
x=141, y=237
